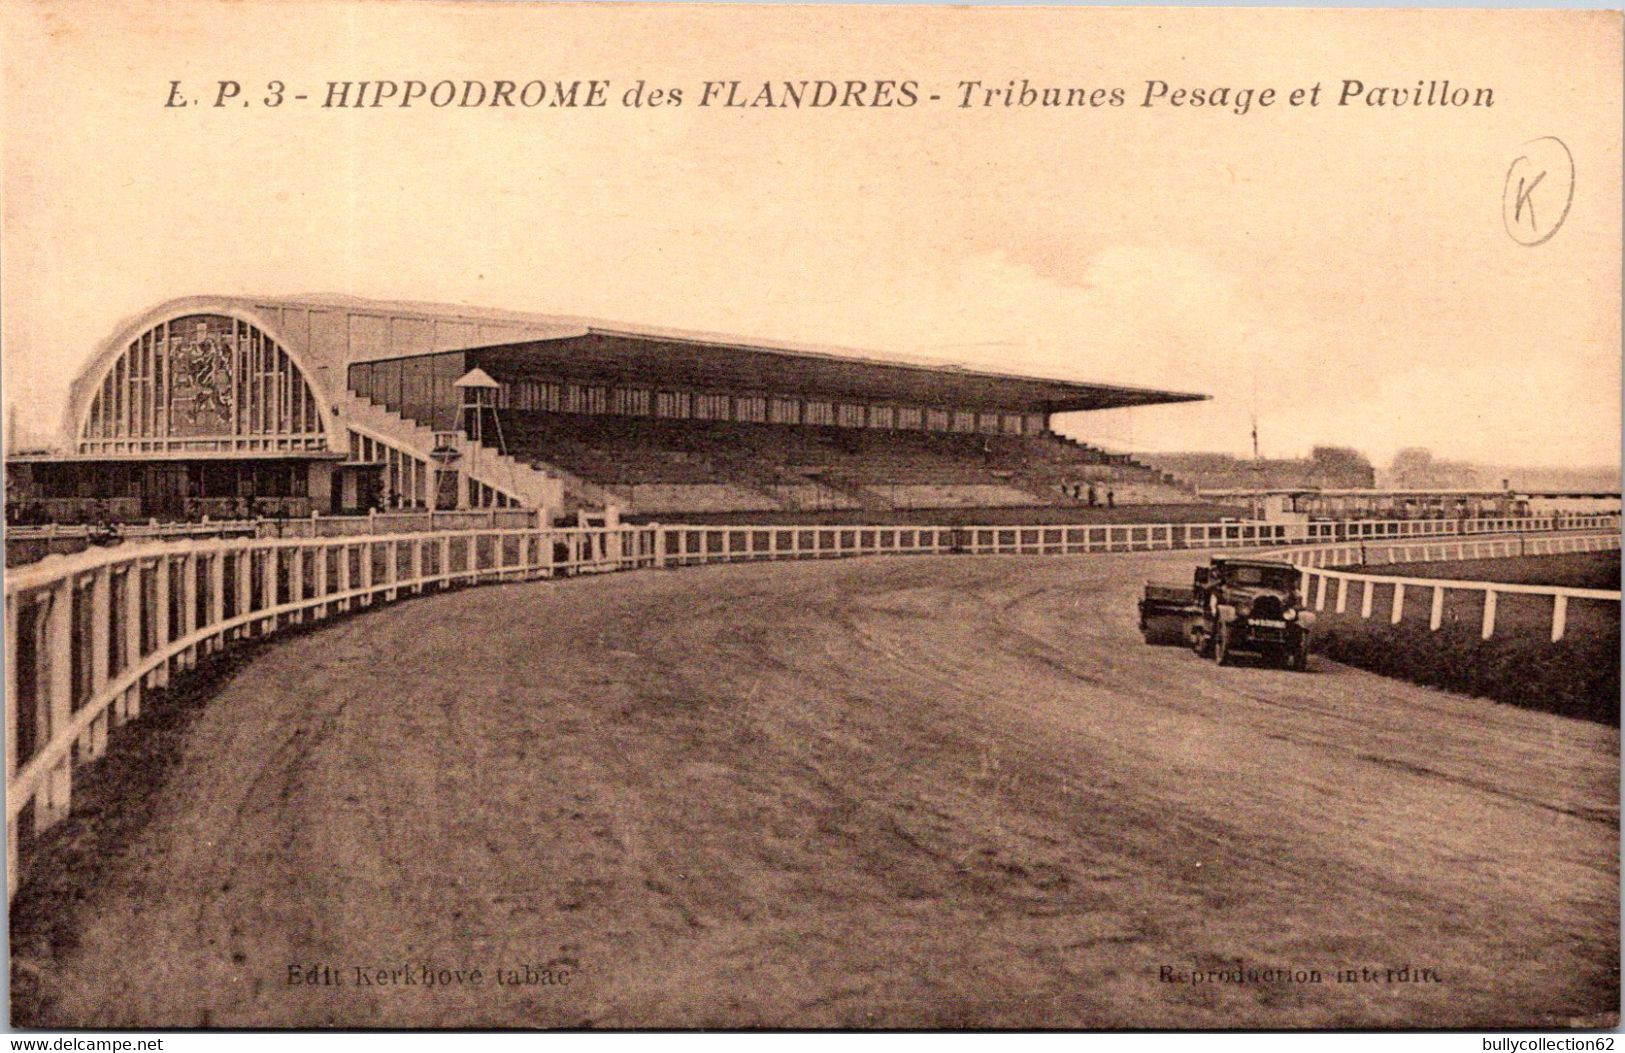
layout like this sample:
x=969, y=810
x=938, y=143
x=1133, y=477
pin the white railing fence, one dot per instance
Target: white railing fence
x=87, y=634
x=682, y=545
x=1318, y=579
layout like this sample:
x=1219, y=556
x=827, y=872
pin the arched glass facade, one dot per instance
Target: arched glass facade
x=203, y=382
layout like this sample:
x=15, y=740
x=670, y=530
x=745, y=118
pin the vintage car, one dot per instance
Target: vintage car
x=1233, y=604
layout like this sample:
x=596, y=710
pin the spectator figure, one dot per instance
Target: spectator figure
x=102, y=529
x=1111, y=498
x=1094, y=499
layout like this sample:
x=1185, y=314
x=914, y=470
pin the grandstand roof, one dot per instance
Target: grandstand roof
x=610, y=355
x=594, y=348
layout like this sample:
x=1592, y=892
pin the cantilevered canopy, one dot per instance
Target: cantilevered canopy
x=606, y=356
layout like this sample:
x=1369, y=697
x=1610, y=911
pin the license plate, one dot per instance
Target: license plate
x=1269, y=623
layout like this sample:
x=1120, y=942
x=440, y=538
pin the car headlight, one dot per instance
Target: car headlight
x=1307, y=618
x=1289, y=614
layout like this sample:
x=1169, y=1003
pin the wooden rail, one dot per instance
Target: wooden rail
x=1317, y=578
x=88, y=634
x=681, y=545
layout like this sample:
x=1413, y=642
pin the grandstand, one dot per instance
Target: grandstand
x=291, y=406
x=655, y=466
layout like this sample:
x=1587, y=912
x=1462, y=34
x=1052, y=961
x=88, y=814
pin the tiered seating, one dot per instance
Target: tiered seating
x=660, y=465
x=610, y=451
x=669, y=498
x=969, y=495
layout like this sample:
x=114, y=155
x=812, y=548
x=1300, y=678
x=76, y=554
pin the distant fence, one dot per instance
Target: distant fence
x=87, y=634
x=1317, y=579
x=681, y=545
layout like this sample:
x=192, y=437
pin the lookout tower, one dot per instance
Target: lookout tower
x=478, y=412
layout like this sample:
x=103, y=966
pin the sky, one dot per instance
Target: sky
x=1342, y=273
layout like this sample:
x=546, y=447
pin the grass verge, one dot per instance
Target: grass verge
x=1579, y=676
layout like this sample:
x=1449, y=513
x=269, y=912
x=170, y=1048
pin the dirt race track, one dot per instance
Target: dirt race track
x=908, y=792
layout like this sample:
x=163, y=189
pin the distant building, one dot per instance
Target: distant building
x=1384, y=503
x=1218, y=471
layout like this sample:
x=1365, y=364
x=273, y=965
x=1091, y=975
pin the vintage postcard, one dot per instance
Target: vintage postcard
x=548, y=516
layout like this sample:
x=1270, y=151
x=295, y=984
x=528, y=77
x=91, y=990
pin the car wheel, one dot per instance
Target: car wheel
x=1297, y=659
x=1201, y=641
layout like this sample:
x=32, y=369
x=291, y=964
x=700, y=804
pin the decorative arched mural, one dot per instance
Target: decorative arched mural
x=202, y=382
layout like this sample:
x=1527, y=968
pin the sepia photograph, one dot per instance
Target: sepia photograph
x=667, y=517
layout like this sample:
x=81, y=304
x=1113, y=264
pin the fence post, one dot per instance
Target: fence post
x=51, y=806
x=1488, y=629
x=268, y=586
x=343, y=551
x=94, y=740
x=1320, y=593
x=531, y=552
x=366, y=549
x=1436, y=615
x=296, y=579
x=1560, y=616
x=189, y=598
x=1342, y=595
x=657, y=535
x=217, y=596
x=245, y=590
x=133, y=604
x=1369, y=587
x=1399, y=604
x=392, y=569
x=161, y=629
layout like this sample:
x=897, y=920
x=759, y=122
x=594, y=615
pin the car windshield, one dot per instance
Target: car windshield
x=1273, y=577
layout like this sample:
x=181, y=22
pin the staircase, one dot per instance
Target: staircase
x=862, y=496
x=533, y=485
x=1100, y=456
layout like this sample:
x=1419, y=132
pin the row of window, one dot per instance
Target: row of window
x=562, y=397
x=155, y=483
